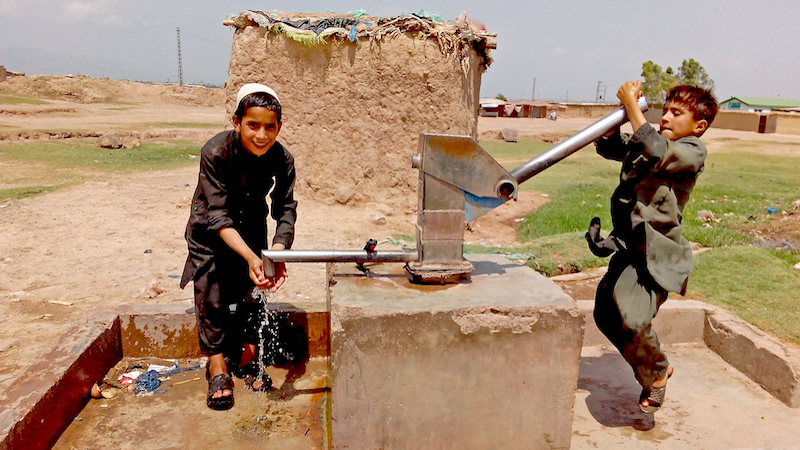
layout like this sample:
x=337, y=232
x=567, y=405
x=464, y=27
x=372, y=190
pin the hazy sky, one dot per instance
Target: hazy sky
x=750, y=48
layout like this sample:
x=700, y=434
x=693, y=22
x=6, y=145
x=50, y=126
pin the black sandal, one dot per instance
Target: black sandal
x=216, y=384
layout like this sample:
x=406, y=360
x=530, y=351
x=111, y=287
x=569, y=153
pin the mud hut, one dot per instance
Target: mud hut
x=357, y=90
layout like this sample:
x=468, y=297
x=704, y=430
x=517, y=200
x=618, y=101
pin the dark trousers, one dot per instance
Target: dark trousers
x=218, y=295
x=627, y=300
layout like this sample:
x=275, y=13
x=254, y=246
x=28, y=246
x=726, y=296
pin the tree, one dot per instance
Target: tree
x=501, y=97
x=652, y=84
x=657, y=81
x=691, y=72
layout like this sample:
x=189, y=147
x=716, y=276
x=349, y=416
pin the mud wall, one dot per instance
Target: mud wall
x=588, y=110
x=352, y=112
x=787, y=123
x=735, y=120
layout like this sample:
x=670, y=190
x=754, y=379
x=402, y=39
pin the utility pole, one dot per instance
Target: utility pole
x=567, y=99
x=180, y=60
x=533, y=92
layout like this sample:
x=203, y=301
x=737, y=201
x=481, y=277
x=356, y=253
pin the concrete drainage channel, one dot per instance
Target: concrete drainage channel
x=51, y=398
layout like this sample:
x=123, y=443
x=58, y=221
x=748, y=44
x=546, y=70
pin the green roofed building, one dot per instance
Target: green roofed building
x=760, y=104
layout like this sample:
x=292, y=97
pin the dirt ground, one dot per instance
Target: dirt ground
x=120, y=240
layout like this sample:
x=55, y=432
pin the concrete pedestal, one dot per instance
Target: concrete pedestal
x=490, y=363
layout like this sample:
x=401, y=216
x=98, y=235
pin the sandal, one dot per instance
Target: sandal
x=654, y=396
x=252, y=374
x=216, y=384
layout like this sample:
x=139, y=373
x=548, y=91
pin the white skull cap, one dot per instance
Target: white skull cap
x=251, y=88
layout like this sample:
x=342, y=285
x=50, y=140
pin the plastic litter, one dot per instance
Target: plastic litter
x=129, y=377
x=147, y=382
x=358, y=13
x=772, y=210
x=427, y=15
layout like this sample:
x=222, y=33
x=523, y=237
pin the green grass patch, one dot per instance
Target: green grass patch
x=82, y=154
x=13, y=100
x=523, y=150
x=28, y=191
x=562, y=253
x=550, y=255
x=40, y=167
x=404, y=237
x=739, y=188
x=753, y=283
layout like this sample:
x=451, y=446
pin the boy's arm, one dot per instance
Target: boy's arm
x=214, y=187
x=629, y=94
x=284, y=206
x=611, y=146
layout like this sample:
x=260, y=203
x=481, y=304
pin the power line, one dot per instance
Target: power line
x=207, y=40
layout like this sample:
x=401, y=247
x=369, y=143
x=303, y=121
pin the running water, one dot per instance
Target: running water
x=270, y=348
x=268, y=343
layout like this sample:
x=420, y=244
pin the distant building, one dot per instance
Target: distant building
x=492, y=107
x=759, y=104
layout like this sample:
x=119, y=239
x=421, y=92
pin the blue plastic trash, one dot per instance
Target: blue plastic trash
x=772, y=210
x=147, y=382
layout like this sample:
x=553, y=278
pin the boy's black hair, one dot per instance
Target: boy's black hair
x=699, y=100
x=258, y=99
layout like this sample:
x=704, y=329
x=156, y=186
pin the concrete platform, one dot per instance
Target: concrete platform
x=491, y=363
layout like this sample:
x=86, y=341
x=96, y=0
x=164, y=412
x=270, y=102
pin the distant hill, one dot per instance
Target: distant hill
x=84, y=89
x=33, y=61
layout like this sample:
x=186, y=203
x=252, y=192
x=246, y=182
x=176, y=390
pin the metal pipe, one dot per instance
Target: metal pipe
x=339, y=256
x=357, y=256
x=574, y=143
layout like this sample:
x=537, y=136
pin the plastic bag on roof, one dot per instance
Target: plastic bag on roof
x=427, y=15
x=358, y=13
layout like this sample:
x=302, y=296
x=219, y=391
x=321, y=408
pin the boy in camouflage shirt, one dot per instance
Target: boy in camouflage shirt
x=651, y=257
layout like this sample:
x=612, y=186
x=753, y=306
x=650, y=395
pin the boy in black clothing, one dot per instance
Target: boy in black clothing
x=652, y=258
x=227, y=231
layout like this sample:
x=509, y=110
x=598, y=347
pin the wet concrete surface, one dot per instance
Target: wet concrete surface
x=290, y=416
x=709, y=405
